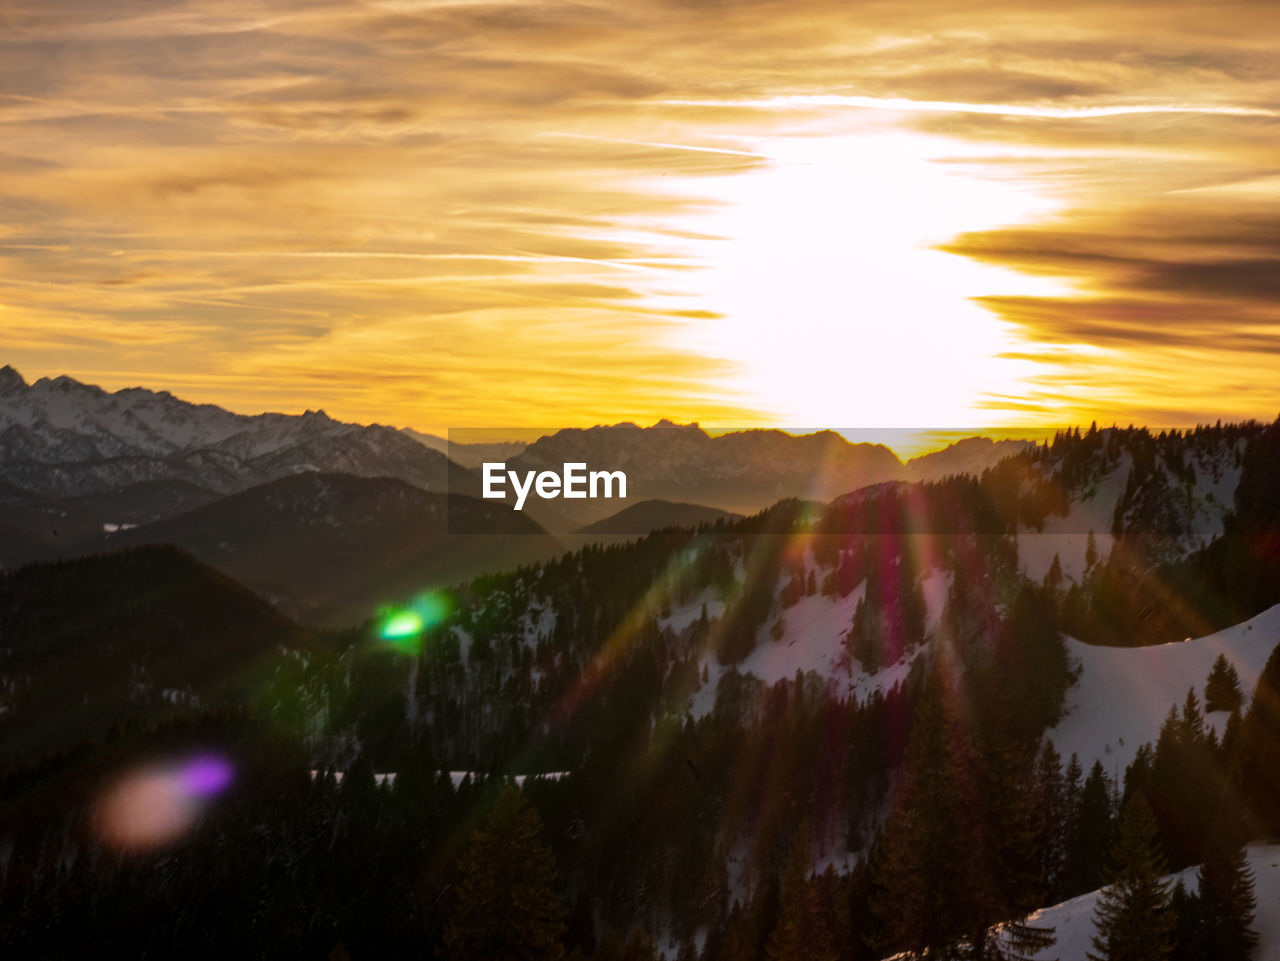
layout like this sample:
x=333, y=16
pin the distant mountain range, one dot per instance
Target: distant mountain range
x=745, y=471
x=62, y=438
x=328, y=518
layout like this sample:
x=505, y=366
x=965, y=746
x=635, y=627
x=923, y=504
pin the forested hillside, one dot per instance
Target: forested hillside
x=824, y=731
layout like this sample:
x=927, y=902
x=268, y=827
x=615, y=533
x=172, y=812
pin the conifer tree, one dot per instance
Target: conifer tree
x=930, y=877
x=1051, y=819
x=1132, y=917
x=1222, y=689
x=508, y=906
x=1226, y=899
x=1090, y=829
x=1053, y=579
x=1188, y=926
x=1255, y=760
x=802, y=933
x=998, y=926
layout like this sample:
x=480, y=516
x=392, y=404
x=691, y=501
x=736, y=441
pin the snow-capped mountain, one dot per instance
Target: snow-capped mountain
x=61, y=437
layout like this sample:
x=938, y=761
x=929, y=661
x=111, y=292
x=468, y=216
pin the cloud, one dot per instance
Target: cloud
x=338, y=195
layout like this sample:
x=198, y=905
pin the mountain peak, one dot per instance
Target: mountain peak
x=64, y=384
x=11, y=381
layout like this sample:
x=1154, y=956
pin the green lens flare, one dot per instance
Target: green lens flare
x=431, y=609
x=404, y=627
x=401, y=625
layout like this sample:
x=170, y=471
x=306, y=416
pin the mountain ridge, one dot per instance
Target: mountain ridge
x=59, y=436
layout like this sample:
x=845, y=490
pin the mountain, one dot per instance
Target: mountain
x=333, y=548
x=972, y=455
x=98, y=641
x=741, y=472
x=883, y=671
x=468, y=455
x=19, y=546
x=62, y=438
x=654, y=515
x=58, y=525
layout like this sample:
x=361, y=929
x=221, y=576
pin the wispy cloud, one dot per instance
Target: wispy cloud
x=791, y=102
x=464, y=212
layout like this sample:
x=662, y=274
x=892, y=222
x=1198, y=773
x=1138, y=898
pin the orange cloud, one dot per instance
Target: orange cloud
x=451, y=213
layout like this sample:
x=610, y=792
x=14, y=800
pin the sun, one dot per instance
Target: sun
x=827, y=292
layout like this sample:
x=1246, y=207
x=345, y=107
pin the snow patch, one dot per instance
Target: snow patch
x=1073, y=922
x=1124, y=693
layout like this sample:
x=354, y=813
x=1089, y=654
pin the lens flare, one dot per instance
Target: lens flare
x=154, y=805
x=403, y=627
x=432, y=609
x=206, y=776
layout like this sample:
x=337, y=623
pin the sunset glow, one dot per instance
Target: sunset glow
x=443, y=214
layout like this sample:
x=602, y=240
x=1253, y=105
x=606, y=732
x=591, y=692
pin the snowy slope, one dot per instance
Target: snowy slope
x=1092, y=509
x=814, y=630
x=1194, y=496
x=1124, y=693
x=1072, y=920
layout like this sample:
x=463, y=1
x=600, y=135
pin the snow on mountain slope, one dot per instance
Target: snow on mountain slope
x=88, y=421
x=814, y=630
x=1216, y=479
x=812, y=640
x=61, y=437
x=1124, y=693
x=1067, y=537
x=132, y=421
x=1184, y=498
x=1073, y=922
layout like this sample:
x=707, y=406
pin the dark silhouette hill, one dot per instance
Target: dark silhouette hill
x=332, y=548
x=103, y=640
x=654, y=515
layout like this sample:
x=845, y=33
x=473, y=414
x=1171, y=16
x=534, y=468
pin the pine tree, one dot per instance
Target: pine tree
x=802, y=932
x=1090, y=832
x=508, y=906
x=998, y=927
x=1222, y=689
x=1226, y=900
x=1053, y=579
x=930, y=875
x=1132, y=917
x=1188, y=927
x=1051, y=820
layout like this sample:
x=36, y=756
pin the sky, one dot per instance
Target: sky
x=802, y=212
